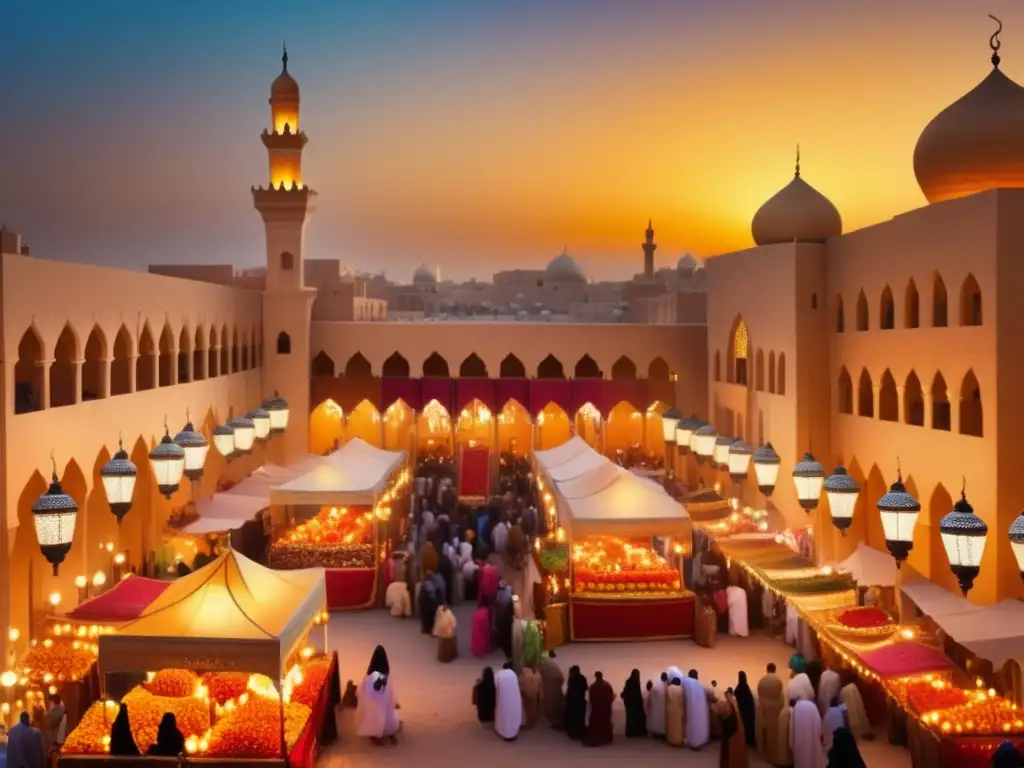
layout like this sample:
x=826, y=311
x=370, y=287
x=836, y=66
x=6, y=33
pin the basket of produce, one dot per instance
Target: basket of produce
x=863, y=624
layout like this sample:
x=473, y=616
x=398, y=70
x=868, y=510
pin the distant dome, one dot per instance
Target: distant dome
x=796, y=213
x=686, y=264
x=976, y=143
x=284, y=84
x=423, y=274
x=564, y=269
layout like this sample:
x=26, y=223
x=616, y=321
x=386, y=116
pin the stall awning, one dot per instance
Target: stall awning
x=124, y=601
x=231, y=615
x=870, y=567
x=567, y=451
x=575, y=467
x=354, y=475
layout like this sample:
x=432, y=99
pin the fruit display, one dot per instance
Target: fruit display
x=933, y=695
x=224, y=686
x=313, y=676
x=610, y=566
x=92, y=735
x=173, y=683
x=985, y=713
x=253, y=729
x=60, y=658
x=338, y=537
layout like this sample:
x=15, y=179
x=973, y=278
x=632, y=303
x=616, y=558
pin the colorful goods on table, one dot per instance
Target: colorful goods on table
x=338, y=537
x=65, y=656
x=905, y=660
x=220, y=714
x=862, y=624
x=608, y=566
x=953, y=711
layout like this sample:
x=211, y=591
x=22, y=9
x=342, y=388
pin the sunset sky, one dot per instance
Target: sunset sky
x=470, y=135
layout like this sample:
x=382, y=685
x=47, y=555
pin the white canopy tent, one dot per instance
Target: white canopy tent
x=576, y=466
x=573, y=448
x=231, y=615
x=870, y=567
x=356, y=474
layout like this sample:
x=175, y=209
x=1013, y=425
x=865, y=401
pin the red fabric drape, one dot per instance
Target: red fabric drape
x=631, y=619
x=467, y=390
x=583, y=391
x=512, y=389
x=544, y=391
x=125, y=601
x=395, y=388
x=437, y=389
x=632, y=391
x=474, y=472
x=349, y=587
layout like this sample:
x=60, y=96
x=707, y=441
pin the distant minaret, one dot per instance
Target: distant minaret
x=649, y=247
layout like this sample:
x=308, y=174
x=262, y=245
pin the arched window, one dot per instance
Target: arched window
x=971, y=421
x=771, y=372
x=658, y=370
x=550, y=368
x=865, y=395
x=840, y=315
x=862, y=312
x=623, y=369
x=887, y=311
x=62, y=371
x=284, y=343
x=512, y=368
x=435, y=367
x=940, y=310
x=740, y=350
x=780, y=380
x=323, y=364
x=473, y=368
x=759, y=371
x=28, y=373
x=845, y=391
x=970, y=302
x=940, y=404
x=395, y=366
x=287, y=262
x=911, y=307
x=358, y=367
x=586, y=368
x=913, y=401
x=888, y=399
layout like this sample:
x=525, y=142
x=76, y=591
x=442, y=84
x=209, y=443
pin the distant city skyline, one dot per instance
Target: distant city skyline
x=473, y=139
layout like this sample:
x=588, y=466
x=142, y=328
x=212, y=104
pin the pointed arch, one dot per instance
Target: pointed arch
x=396, y=367
x=550, y=368
x=225, y=351
x=586, y=368
x=970, y=301
x=256, y=353
x=624, y=369
x=94, y=369
x=63, y=389
x=213, y=355
x=322, y=365
x=145, y=363
x=739, y=349
x=28, y=373
x=911, y=306
x=865, y=395
x=840, y=315
x=913, y=401
x=759, y=370
x=940, y=302
x=184, y=356
x=512, y=368
x=358, y=367
x=862, y=311
x=718, y=365
x=473, y=367
x=199, y=355
x=435, y=367
x=888, y=398
x=120, y=366
x=780, y=379
x=236, y=352
x=941, y=417
x=245, y=350
x=887, y=310
x=844, y=394
x=658, y=370
x=284, y=344
x=165, y=361
x=771, y=371
x=972, y=420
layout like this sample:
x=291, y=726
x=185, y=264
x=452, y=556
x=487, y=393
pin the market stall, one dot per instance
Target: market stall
x=230, y=646
x=331, y=517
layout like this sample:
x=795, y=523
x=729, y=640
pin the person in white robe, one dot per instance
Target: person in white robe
x=829, y=687
x=397, y=599
x=835, y=718
x=499, y=538
x=655, y=706
x=736, y=598
x=805, y=736
x=698, y=713
x=465, y=554
x=801, y=688
x=508, y=715
x=377, y=710
x=792, y=625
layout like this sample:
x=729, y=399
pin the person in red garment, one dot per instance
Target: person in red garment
x=599, y=728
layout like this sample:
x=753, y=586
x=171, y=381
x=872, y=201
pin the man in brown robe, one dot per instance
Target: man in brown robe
x=771, y=700
x=552, y=695
x=599, y=727
x=529, y=686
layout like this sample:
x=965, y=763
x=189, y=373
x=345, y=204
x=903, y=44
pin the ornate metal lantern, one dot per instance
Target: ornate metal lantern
x=168, y=462
x=704, y=442
x=261, y=419
x=766, y=468
x=224, y=440
x=54, y=515
x=739, y=461
x=721, y=451
x=963, y=536
x=669, y=420
x=277, y=407
x=899, y=511
x=842, y=491
x=809, y=476
x=196, y=447
x=684, y=432
x=245, y=434
x=118, y=477
x=1017, y=542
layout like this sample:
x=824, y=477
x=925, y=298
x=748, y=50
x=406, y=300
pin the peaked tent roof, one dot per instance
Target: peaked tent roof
x=231, y=615
x=354, y=474
x=870, y=567
x=124, y=601
x=574, y=447
x=576, y=466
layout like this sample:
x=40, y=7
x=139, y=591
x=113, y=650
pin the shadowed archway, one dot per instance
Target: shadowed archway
x=512, y=368
x=358, y=367
x=435, y=367
x=550, y=368
x=395, y=366
x=473, y=368
x=623, y=369
x=63, y=387
x=323, y=365
x=586, y=368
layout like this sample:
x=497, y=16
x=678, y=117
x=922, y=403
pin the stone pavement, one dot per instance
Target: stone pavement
x=439, y=724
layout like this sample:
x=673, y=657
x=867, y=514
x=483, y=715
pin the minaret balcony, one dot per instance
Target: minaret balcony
x=275, y=140
x=282, y=196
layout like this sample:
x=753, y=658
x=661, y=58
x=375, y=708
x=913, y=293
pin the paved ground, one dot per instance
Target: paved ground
x=439, y=723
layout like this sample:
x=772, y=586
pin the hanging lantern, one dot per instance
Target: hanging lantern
x=1017, y=542
x=809, y=476
x=721, y=451
x=669, y=419
x=118, y=476
x=277, y=407
x=54, y=515
x=899, y=511
x=224, y=440
x=704, y=442
x=261, y=418
x=963, y=535
x=684, y=432
x=842, y=491
x=168, y=463
x=196, y=447
x=739, y=461
x=245, y=434
x=766, y=468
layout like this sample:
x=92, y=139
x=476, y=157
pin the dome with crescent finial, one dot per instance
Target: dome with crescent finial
x=686, y=265
x=797, y=213
x=284, y=85
x=977, y=142
x=564, y=269
x=424, y=275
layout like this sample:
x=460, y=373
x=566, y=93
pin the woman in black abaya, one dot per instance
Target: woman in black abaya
x=485, y=696
x=576, y=704
x=748, y=709
x=633, y=701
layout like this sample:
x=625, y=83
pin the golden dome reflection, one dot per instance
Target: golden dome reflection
x=796, y=213
x=977, y=142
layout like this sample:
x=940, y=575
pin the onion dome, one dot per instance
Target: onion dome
x=424, y=275
x=564, y=269
x=686, y=265
x=284, y=85
x=797, y=213
x=977, y=142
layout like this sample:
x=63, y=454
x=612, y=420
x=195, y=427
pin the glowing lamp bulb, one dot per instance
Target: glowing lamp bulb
x=54, y=599
x=99, y=579
x=81, y=582
x=13, y=634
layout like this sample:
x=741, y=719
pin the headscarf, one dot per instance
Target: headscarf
x=845, y=754
x=747, y=707
x=486, y=696
x=169, y=740
x=1005, y=756
x=379, y=662
x=122, y=743
x=797, y=663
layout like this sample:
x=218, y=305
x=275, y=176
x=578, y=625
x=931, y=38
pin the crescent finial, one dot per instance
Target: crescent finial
x=993, y=42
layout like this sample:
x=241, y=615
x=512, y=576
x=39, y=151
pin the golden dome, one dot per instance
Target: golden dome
x=284, y=85
x=796, y=213
x=977, y=142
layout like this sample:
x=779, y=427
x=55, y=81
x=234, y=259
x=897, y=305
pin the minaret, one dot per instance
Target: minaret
x=649, y=247
x=287, y=304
